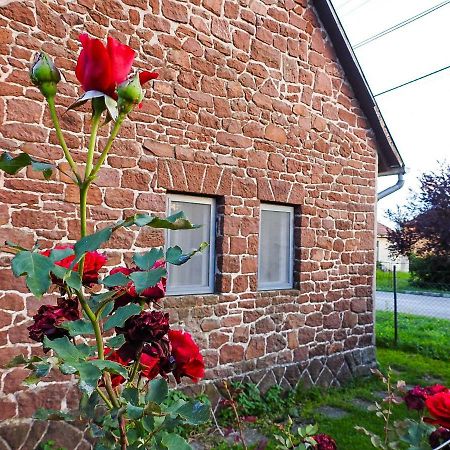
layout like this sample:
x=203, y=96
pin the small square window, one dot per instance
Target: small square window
x=197, y=275
x=276, y=247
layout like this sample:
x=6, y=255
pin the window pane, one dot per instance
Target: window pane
x=275, y=250
x=194, y=276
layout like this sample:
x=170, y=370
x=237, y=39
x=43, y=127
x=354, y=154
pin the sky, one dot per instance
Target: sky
x=417, y=115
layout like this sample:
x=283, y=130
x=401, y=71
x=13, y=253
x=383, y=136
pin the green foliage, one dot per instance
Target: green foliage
x=49, y=445
x=145, y=279
x=175, y=256
x=302, y=439
x=430, y=272
x=37, y=269
x=423, y=335
x=121, y=315
x=12, y=165
x=145, y=261
x=116, y=279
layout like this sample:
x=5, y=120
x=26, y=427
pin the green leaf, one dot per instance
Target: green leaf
x=121, y=315
x=84, y=98
x=20, y=360
x=145, y=261
x=37, y=269
x=176, y=221
x=89, y=374
x=157, y=391
x=70, y=277
x=131, y=395
x=175, y=256
x=57, y=254
x=194, y=412
x=174, y=441
x=88, y=404
x=116, y=279
x=110, y=366
x=78, y=327
x=91, y=242
x=52, y=414
x=134, y=412
x=116, y=341
x=111, y=105
x=63, y=348
x=144, y=280
x=148, y=422
x=13, y=165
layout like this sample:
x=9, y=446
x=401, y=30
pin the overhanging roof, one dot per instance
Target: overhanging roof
x=389, y=160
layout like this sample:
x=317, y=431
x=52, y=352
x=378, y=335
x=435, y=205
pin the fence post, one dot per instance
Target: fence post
x=395, y=306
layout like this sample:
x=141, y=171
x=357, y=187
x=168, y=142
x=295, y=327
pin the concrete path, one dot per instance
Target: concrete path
x=421, y=305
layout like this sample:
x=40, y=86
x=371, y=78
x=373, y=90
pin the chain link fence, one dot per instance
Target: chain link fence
x=404, y=306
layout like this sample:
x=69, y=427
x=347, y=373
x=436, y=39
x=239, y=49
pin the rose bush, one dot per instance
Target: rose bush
x=412, y=434
x=107, y=329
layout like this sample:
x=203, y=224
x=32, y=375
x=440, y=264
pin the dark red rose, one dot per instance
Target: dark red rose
x=324, y=442
x=415, y=398
x=50, y=317
x=438, y=406
x=439, y=436
x=148, y=326
x=93, y=262
x=153, y=293
x=187, y=358
x=102, y=68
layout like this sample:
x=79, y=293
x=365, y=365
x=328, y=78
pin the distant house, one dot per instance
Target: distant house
x=384, y=258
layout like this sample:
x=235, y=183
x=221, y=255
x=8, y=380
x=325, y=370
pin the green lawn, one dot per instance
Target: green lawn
x=385, y=283
x=425, y=335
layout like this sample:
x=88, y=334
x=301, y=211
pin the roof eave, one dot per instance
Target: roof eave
x=390, y=161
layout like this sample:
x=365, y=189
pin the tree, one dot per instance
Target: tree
x=423, y=225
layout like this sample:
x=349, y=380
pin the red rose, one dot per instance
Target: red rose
x=50, y=317
x=324, y=442
x=101, y=68
x=187, y=358
x=438, y=406
x=153, y=293
x=93, y=262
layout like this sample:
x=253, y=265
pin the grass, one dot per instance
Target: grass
x=385, y=283
x=424, y=335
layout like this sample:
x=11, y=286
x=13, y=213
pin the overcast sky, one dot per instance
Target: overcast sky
x=418, y=115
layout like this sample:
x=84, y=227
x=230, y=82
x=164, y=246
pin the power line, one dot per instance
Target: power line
x=356, y=8
x=412, y=81
x=401, y=24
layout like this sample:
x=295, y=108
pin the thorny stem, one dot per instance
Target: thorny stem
x=236, y=414
x=123, y=432
x=104, y=397
x=388, y=415
x=62, y=141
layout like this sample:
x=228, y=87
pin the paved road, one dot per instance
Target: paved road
x=421, y=305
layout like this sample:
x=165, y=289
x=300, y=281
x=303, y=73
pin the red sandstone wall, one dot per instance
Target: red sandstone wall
x=251, y=105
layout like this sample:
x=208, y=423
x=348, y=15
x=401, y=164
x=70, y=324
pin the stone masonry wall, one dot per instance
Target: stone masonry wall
x=251, y=105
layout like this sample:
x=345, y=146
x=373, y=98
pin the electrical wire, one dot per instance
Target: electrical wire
x=412, y=81
x=400, y=24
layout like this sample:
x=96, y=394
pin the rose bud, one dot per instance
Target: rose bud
x=130, y=94
x=44, y=74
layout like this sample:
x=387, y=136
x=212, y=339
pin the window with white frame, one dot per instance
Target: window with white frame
x=276, y=247
x=197, y=275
